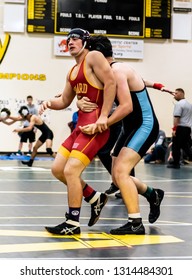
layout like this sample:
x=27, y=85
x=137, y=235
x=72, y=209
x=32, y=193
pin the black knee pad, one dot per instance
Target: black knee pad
x=49, y=151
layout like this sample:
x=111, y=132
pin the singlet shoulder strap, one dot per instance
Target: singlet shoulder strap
x=113, y=62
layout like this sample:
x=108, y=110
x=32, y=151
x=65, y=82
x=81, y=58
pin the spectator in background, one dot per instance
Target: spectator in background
x=181, y=131
x=157, y=151
x=28, y=136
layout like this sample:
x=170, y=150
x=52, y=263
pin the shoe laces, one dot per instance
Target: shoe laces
x=136, y=228
x=97, y=207
x=157, y=201
x=67, y=230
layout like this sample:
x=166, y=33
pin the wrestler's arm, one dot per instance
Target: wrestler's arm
x=11, y=119
x=125, y=106
x=158, y=86
x=86, y=105
x=29, y=127
x=7, y=122
x=17, y=118
x=104, y=73
x=61, y=102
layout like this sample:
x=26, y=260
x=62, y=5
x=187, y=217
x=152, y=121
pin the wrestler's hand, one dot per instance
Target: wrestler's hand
x=162, y=88
x=85, y=105
x=102, y=123
x=44, y=105
x=168, y=90
x=89, y=129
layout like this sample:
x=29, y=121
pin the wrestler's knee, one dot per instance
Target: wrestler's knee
x=72, y=170
x=69, y=171
x=58, y=173
x=116, y=174
x=120, y=173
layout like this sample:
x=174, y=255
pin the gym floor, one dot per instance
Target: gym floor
x=31, y=198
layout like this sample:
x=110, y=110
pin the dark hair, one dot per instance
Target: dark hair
x=21, y=112
x=180, y=89
x=30, y=96
x=80, y=33
x=6, y=111
x=102, y=44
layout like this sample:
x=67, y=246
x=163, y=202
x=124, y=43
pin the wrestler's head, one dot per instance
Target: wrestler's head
x=80, y=34
x=5, y=113
x=23, y=111
x=102, y=44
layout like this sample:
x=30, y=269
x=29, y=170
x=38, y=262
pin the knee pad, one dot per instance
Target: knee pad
x=49, y=151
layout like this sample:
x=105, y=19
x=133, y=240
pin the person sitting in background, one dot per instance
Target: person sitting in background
x=185, y=159
x=157, y=151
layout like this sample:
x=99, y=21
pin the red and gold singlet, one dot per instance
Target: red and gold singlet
x=80, y=145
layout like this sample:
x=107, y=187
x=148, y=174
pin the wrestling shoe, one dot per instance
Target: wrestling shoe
x=129, y=228
x=172, y=165
x=118, y=195
x=29, y=163
x=69, y=227
x=155, y=205
x=113, y=189
x=96, y=208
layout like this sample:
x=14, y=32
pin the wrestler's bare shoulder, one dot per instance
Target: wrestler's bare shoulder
x=93, y=55
x=36, y=119
x=123, y=66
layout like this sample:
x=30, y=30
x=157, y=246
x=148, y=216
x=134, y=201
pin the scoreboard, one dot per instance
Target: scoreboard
x=158, y=19
x=111, y=17
x=40, y=16
x=115, y=18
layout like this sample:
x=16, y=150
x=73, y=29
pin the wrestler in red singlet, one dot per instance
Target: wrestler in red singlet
x=80, y=145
